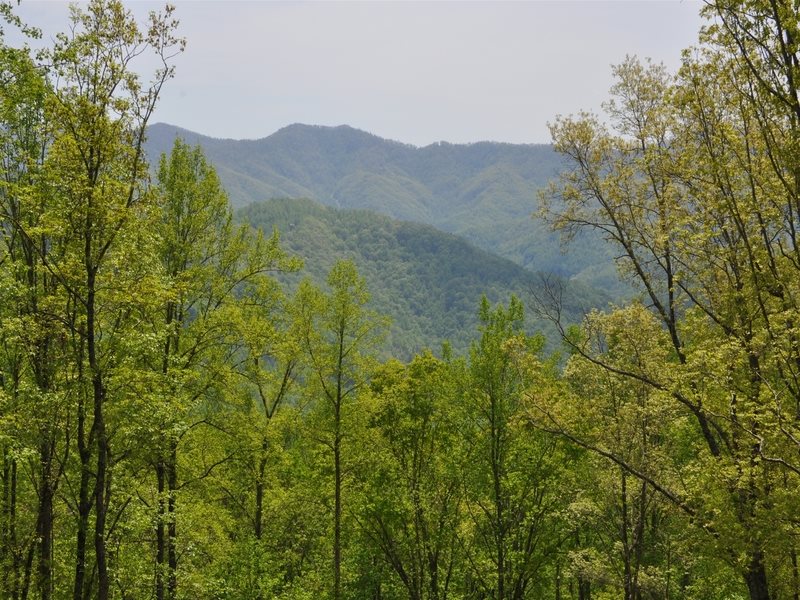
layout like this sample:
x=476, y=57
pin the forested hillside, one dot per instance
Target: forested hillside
x=485, y=192
x=430, y=283
x=181, y=419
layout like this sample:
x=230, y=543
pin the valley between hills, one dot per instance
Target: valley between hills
x=430, y=229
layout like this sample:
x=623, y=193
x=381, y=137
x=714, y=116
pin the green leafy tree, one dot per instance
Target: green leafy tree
x=218, y=276
x=74, y=208
x=95, y=177
x=512, y=474
x=266, y=477
x=630, y=536
x=33, y=340
x=411, y=497
x=696, y=186
x=339, y=334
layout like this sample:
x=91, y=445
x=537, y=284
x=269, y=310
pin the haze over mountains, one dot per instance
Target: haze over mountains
x=484, y=192
x=431, y=229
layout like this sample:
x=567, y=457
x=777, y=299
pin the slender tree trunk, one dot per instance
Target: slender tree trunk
x=795, y=575
x=12, y=530
x=26, y=580
x=639, y=540
x=172, y=521
x=584, y=585
x=557, y=595
x=164, y=482
x=433, y=568
x=44, y=526
x=584, y=589
x=337, y=512
x=12, y=554
x=259, y=513
x=99, y=426
x=84, y=506
x=626, y=549
x=337, y=470
x=5, y=546
x=160, y=541
x=100, y=509
x=44, y=365
x=497, y=482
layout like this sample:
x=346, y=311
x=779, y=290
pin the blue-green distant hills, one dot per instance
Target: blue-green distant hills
x=484, y=192
x=429, y=282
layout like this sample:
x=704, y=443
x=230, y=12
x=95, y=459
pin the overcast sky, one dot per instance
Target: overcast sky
x=417, y=72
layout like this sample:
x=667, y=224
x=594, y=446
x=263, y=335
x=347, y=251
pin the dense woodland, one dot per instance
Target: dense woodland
x=428, y=282
x=178, y=421
x=483, y=192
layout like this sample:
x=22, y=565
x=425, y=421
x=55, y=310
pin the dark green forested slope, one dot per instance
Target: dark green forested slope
x=485, y=192
x=429, y=282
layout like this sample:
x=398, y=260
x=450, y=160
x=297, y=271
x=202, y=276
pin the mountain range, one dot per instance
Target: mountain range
x=431, y=229
x=429, y=282
x=484, y=192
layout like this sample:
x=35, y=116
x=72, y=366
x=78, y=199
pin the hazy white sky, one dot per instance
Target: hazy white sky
x=417, y=72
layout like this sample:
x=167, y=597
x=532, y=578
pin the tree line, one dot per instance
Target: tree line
x=176, y=424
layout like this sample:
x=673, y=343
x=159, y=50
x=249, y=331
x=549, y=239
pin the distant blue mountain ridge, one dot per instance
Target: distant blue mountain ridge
x=485, y=192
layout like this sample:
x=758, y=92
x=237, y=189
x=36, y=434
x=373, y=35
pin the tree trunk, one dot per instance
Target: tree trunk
x=639, y=540
x=5, y=546
x=84, y=506
x=259, y=513
x=26, y=582
x=557, y=595
x=166, y=527
x=756, y=577
x=99, y=427
x=172, y=522
x=497, y=488
x=626, y=549
x=584, y=585
x=160, y=542
x=337, y=513
x=433, y=568
x=12, y=574
x=44, y=525
x=44, y=367
x=584, y=589
x=100, y=509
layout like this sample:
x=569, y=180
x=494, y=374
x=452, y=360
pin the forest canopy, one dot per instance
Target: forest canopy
x=177, y=423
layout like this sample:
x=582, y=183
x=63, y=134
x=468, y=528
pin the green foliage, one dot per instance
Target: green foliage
x=512, y=491
x=176, y=421
x=427, y=281
x=410, y=505
x=483, y=192
x=339, y=335
x=694, y=180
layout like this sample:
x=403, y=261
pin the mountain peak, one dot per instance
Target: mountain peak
x=483, y=191
x=333, y=132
